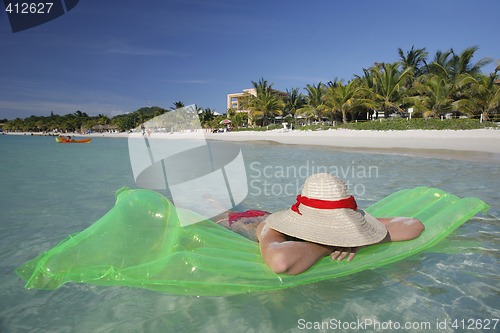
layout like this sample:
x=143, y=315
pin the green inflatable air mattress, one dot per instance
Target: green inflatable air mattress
x=140, y=243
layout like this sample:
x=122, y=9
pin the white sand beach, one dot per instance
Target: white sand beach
x=483, y=140
x=481, y=144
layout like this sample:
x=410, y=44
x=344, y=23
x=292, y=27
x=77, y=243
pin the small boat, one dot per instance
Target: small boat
x=62, y=139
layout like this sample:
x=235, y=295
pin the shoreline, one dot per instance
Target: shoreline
x=475, y=145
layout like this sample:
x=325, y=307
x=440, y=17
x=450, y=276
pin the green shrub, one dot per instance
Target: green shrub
x=398, y=124
x=317, y=127
x=418, y=123
x=258, y=128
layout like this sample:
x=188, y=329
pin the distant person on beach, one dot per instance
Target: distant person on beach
x=325, y=221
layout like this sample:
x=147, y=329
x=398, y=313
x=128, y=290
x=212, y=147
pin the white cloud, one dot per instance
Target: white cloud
x=144, y=51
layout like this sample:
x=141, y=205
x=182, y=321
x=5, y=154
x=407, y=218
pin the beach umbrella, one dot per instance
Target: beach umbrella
x=225, y=121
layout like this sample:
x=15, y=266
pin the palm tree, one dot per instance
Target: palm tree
x=294, y=101
x=177, y=105
x=346, y=98
x=103, y=119
x=205, y=115
x=81, y=114
x=481, y=95
x=262, y=86
x=433, y=95
x=462, y=63
x=314, y=101
x=367, y=79
x=450, y=65
x=388, y=86
x=265, y=104
x=239, y=119
x=441, y=65
x=415, y=59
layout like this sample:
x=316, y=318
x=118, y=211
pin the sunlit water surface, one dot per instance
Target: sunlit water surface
x=50, y=190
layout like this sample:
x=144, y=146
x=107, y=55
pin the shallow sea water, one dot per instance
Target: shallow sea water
x=50, y=190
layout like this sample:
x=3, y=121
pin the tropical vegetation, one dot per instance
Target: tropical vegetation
x=81, y=122
x=265, y=105
x=448, y=85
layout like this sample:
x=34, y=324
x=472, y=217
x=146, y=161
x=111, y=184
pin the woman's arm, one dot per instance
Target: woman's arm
x=294, y=257
x=402, y=228
x=290, y=257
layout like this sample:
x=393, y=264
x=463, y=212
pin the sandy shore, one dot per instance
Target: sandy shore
x=471, y=140
x=479, y=145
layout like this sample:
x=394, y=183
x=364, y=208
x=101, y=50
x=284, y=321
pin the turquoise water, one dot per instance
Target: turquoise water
x=50, y=190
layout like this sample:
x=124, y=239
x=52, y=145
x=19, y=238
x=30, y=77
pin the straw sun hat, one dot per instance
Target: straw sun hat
x=327, y=214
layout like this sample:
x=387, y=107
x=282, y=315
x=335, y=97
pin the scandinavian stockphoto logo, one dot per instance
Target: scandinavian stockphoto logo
x=28, y=14
x=170, y=153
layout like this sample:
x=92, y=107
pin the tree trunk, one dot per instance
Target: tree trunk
x=486, y=116
x=344, y=116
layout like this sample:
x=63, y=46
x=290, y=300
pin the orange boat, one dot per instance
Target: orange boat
x=62, y=139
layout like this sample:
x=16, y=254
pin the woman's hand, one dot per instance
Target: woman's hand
x=340, y=253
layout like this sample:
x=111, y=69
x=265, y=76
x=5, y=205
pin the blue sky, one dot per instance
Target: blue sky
x=114, y=57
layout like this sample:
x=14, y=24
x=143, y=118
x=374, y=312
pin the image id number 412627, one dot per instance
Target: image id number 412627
x=29, y=7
